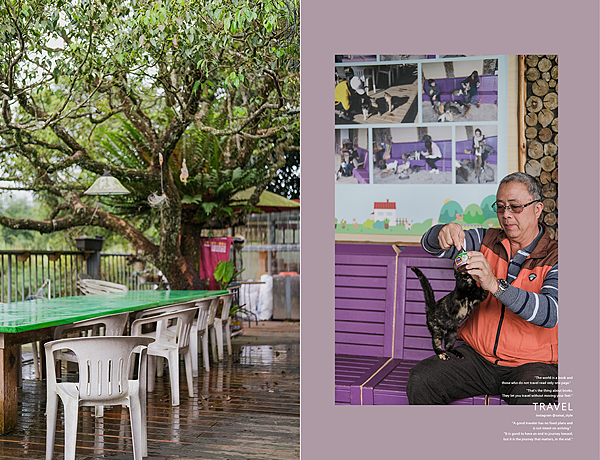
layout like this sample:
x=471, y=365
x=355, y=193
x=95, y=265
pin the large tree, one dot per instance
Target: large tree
x=145, y=88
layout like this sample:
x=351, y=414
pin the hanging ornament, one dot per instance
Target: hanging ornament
x=154, y=199
x=105, y=185
x=184, y=173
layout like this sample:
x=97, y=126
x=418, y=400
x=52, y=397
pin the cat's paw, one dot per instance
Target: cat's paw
x=444, y=356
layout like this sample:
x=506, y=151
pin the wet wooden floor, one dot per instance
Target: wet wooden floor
x=247, y=407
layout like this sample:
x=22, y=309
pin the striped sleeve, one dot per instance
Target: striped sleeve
x=429, y=242
x=539, y=309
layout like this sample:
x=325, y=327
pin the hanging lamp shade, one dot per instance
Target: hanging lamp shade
x=106, y=185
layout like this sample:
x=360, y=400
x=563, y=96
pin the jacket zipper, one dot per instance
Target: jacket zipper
x=498, y=333
x=501, y=320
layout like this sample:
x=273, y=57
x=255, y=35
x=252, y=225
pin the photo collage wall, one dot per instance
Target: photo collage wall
x=429, y=124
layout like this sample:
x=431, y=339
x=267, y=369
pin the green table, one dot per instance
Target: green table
x=29, y=321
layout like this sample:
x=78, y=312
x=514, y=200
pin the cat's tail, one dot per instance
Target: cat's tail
x=427, y=289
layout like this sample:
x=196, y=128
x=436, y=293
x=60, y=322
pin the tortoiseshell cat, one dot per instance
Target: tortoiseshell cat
x=445, y=315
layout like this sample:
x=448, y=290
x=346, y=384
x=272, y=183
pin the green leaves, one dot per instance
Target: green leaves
x=191, y=199
x=208, y=207
x=117, y=78
x=225, y=272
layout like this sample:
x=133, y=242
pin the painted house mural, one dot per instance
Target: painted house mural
x=384, y=210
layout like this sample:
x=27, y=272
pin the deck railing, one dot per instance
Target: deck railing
x=23, y=273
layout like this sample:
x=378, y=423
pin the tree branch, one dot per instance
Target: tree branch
x=13, y=63
x=81, y=217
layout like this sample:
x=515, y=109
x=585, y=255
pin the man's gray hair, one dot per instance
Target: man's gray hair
x=534, y=188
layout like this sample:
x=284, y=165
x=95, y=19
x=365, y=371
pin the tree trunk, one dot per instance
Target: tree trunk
x=172, y=260
x=191, y=246
x=183, y=276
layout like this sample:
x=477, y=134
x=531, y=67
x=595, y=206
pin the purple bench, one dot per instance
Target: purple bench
x=468, y=144
x=487, y=91
x=361, y=174
x=375, y=344
x=444, y=164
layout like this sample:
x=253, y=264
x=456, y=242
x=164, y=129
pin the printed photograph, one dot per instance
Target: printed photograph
x=376, y=94
x=461, y=90
x=351, y=156
x=405, y=57
x=355, y=57
x=476, y=154
x=412, y=155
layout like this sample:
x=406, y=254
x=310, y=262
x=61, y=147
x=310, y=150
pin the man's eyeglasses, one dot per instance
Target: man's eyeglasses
x=514, y=208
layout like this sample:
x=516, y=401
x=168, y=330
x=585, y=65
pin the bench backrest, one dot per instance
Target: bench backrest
x=416, y=343
x=366, y=290
x=399, y=148
x=364, y=277
x=487, y=83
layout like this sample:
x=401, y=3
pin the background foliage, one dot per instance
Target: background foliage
x=146, y=88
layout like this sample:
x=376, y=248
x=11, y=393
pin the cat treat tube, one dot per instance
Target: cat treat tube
x=462, y=259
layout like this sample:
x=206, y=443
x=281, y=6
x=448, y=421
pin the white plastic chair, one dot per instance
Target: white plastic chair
x=114, y=325
x=104, y=364
x=386, y=70
x=170, y=347
x=159, y=311
x=210, y=330
x=221, y=325
x=92, y=286
x=200, y=329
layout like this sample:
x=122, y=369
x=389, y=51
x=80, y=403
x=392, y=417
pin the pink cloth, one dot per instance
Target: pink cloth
x=213, y=251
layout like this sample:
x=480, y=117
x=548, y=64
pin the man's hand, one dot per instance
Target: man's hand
x=479, y=268
x=451, y=235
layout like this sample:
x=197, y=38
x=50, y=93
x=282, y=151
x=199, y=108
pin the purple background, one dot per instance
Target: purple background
x=570, y=30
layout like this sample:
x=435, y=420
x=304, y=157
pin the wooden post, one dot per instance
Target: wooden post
x=8, y=386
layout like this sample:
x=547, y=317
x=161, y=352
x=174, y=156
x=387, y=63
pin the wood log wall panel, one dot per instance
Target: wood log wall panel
x=538, y=113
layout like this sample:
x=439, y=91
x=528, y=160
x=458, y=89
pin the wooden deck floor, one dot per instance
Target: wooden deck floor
x=247, y=407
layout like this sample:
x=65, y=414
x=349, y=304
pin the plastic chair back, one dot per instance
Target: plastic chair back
x=114, y=325
x=184, y=319
x=92, y=286
x=212, y=311
x=227, y=300
x=203, y=311
x=164, y=309
x=103, y=365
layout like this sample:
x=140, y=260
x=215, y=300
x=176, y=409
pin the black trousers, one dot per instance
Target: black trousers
x=435, y=381
x=431, y=162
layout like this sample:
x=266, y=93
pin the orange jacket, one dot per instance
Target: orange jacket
x=494, y=331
